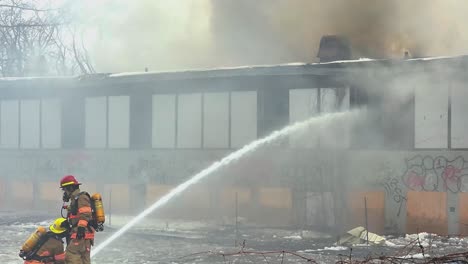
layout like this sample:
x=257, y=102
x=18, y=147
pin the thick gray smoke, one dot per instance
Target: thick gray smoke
x=171, y=35
x=290, y=30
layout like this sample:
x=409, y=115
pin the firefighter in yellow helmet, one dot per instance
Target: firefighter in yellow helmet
x=79, y=216
x=48, y=248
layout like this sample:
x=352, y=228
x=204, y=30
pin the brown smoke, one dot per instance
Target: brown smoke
x=174, y=35
x=289, y=30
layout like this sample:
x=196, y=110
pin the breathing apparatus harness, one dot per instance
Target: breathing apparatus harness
x=96, y=223
x=32, y=255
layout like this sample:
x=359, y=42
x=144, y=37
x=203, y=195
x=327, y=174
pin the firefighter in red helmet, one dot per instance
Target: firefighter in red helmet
x=79, y=214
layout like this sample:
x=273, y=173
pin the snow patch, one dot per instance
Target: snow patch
x=425, y=239
x=390, y=244
x=306, y=251
x=336, y=248
x=297, y=237
x=416, y=256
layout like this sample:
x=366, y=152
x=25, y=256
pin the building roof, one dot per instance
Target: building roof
x=300, y=68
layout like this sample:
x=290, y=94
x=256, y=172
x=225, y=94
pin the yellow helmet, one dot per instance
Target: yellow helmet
x=59, y=226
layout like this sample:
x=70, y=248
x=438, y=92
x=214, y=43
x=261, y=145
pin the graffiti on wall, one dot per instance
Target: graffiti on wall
x=170, y=167
x=310, y=173
x=395, y=191
x=393, y=188
x=425, y=173
x=163, y=167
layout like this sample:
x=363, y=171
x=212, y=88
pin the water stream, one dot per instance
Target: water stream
x=315, y=122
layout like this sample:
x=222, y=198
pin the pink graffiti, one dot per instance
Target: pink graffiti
x=415, y=181
x=426, y=173
x=451, y=177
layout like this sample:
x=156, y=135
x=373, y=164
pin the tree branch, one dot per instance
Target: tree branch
x=26, y=8
x=31, y=35
x=20, y=25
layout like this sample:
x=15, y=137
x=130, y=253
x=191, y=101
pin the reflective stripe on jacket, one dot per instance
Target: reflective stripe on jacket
x=81, y=204
x=88, y=235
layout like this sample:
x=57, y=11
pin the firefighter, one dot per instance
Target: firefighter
x=79, y=216
x=49, y=248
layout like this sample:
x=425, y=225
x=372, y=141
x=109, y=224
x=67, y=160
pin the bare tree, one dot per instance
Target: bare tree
x=36, y=41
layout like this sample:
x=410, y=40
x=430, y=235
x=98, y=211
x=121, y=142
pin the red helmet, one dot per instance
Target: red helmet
x=68, y=180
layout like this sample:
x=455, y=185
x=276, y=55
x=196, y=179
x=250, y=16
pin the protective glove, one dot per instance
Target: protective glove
x=48, y=259
x=22, y=254
x=100, y=227
x=80, y=234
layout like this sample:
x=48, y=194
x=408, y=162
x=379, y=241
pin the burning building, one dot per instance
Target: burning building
x=404, y=152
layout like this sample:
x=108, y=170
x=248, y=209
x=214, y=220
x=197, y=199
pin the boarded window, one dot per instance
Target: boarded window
x=189, y=121
x=431, y=109
x=335, y=134
x=216, y=120
x=329, y=100
x=95, y=122
x=51, y=127
x=243, y=118
x=119, y=121
x=459, y=120
x=9, y=124
x=164, y=121
x=29, y=124
x=302, y=106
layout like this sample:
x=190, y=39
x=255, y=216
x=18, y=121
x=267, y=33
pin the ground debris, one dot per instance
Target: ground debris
x=360, y=235
x=414, y=252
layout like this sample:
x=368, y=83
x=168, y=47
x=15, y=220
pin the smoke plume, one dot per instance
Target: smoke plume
x=291, y=29
x=167, y=35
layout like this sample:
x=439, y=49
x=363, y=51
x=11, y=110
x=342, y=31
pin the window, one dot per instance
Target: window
x=119, y=121
x=329, y=100
x=51, y=126
x=209, y=120
x=9, y=123
x=96, y=122
x=304, y=103
x=29, y=124
x=164, y=120
x=204, y=120
x=107, y=122
x=243, y=118
x=216, y=120
x=189, y=121
x=337, y=133
x=459, y=122
x=431, y=113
